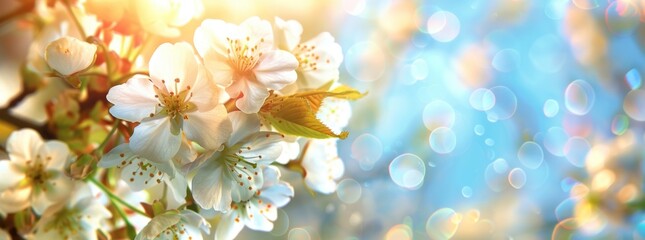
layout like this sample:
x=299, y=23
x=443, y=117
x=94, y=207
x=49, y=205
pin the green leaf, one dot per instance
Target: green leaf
x=296, y=114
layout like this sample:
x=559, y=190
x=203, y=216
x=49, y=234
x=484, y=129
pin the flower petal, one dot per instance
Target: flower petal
x=14, y=200
x=40, y=202
x=55, y=154
x=287, y=33
x=253, y=95
x=275, y=191
x=262, y=147
x=10, y=173
x=211, y=45
x=243, y=126
x=59, y=188
x=328, y=57
x=140, y=174
x=254, y=219
x=133, y=100
x=153, y=140
x=276, y=69
x=259, y=31
x=157, y=225
x=206, y=93
x=209, y=187
x=23, y=146
x=209, y=129
x=69, y=55
x=171, y=63
x=229, y=226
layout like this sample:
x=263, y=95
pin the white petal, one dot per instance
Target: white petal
x=116, y=156
x=287, y=33
x=157, y=225
x=247, y=181
x=228, y=227
x=262, y=147
x=243, y=126
x=139, y=174
x=59, y=188
x=69, y=55
x=170, y=62
x=256, y=220
x=10, y=173
x=290, y=151
x=205, y=92
x=276, y=69
x=14, y=200
x=23, y=145
x=153, y=140
x=209, y=129
x=253, y=95
x=279, y=194
x=209, y=187
x=258, y=29
x=195, y=219
x=39, y=202
x=328, y=57
x=133, y=100
x=177, y=187
x=55, y=154
x=210, y=42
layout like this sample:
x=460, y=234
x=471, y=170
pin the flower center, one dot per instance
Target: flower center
x=176, y=231
x=307, y=59
x=36, y=174
x=66, y=223
x=242, y=169
x=174, y=104
x=243, y=55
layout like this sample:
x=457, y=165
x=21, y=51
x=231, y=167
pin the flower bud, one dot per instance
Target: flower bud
x=82, y=167
x=69, y=55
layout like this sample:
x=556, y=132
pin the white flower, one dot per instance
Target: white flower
x=259, y=212
x=34, y=174
x=68, y=55
x=181, y=225
x=244, y=60
x=318, y=58
x=141, y=173
x=334, y=113
x=234, y=174
x=178, y=98
x=77, y=218
x=322, y=165
x=164, y=17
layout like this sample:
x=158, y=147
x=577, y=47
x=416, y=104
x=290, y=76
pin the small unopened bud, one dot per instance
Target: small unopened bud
x=81, y=167
x=24, y=221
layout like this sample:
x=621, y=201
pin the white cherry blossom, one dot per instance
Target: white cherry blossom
x=178, y=98
x=234, y=174
x=322, y=165
x=68, y=55
x=175, y=225
x=259, y=212
x=244, y=60
x=318, y=58
x=77, y=218
x=33, y=175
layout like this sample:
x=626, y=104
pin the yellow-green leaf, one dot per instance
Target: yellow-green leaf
x=296, y=114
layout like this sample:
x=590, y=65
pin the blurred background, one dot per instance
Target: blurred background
x=497, y=119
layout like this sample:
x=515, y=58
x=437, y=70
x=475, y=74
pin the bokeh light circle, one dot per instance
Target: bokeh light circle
x=299, y=234
x=408, y=171
x=575, y=150
x=482, y=99
x=633, y=79
x=349, y=191
x=438, y=113
x=443, y=140
x=467, y=191
x=419, y=69
x=551, y=108
x=554, y=141
x=365, y=61
x=517, y=178
x=634, y=105
x=579, y=97
x=506, y=60
x=443, y=26
x=367, y=149
x=530, y=155
x=505, y=104
x=443, y=224
x=619, y=124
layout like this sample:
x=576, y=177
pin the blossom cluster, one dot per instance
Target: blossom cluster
x=190, y=144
